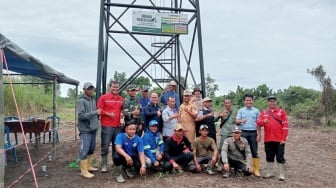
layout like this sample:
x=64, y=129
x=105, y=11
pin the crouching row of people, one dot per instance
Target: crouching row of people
x=177, y=154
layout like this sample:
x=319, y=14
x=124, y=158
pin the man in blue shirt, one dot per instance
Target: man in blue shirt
x=247, y=120
x=170, y=93
x=129, y=153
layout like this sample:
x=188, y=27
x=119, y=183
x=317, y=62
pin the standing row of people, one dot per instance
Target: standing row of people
x=153, y=137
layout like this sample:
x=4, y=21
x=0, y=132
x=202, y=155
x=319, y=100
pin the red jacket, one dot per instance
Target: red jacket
x=273, y=130
x=110, y=103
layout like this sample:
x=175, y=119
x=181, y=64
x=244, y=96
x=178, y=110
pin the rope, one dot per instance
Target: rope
x=30, y=169
x=19, y=115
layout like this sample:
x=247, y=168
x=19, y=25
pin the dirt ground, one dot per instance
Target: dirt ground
x=310, y=155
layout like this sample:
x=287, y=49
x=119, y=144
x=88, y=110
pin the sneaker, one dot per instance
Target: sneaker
x=226, y=175
x=129, y=172
x=210, y=172
x=103, y=169
x=180, y=170
x=120, y=178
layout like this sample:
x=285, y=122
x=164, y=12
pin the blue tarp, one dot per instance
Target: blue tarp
x=21, y=62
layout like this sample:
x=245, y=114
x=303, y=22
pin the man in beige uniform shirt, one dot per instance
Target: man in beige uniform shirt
x=187, y=115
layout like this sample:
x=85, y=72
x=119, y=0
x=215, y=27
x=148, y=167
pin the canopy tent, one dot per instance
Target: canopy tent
x=22, y=62
x=19, y=61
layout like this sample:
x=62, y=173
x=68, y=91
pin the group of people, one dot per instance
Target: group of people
x=174, y=136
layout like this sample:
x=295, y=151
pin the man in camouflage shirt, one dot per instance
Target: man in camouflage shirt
x=131, y=109
x=236, y=154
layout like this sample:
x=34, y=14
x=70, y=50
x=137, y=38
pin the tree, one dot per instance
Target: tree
x=210, y=86
x=328, y=99
x=119, y=77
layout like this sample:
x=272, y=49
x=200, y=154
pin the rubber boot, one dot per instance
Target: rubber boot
x=270, y=170
x=282, y=172
x=84, y=169
x=90, y=167
x=256, y=167
x=104, y=164
x=117, y=173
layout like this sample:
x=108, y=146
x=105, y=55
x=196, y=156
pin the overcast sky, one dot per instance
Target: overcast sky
x=245, y=42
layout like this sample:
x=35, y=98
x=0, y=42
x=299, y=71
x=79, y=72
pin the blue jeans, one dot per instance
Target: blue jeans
x=251, y=137
x=87, y=144
x=275, y=149
x=108, y=135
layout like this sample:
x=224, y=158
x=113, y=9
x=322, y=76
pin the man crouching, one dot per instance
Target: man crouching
x=237, y=154
x=129, y=153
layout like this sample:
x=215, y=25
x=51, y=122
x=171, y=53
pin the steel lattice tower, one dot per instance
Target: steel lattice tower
x=176, y=56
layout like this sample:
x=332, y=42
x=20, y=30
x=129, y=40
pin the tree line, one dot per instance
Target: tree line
x=299, y=102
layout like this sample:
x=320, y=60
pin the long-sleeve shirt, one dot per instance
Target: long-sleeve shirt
x=152, y=143
x=87, y=115
x=168, y=125
x=109, y=103
x=175, y=147
x=274, y=130
x=236, y=150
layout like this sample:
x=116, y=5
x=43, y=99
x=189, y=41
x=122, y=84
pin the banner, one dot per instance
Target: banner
x=154, y=22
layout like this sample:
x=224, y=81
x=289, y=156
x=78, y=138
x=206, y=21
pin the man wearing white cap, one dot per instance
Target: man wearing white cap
x=187, y=115
x=170, y=93
x=236, y=154
x=88, y=124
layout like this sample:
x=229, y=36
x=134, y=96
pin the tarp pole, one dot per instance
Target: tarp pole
x=76, y=114
x=54, y=116
x=2, y=128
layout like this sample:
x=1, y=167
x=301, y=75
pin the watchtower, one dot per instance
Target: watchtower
x=161, y=39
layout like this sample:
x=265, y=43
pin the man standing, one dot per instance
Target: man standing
x=187, y=115
x=131, y=109
x=227, y=118
x=88, y=124
x=110, y=105
x=275, y=123
x=197, y=98
x=205, y=150
x=153, y=111
x=170, y=119
x=206, y=116
x=247, y=119
x=170, y=93
x=237, y=154
x=144, y=98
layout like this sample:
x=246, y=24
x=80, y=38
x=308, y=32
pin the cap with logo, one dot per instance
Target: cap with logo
x=179, y=127
x=153, y=122
x=236, y=129
x=131, y=88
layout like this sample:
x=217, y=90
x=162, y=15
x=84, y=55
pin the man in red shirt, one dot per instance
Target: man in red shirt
x=275, y=123
x=111, y=107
